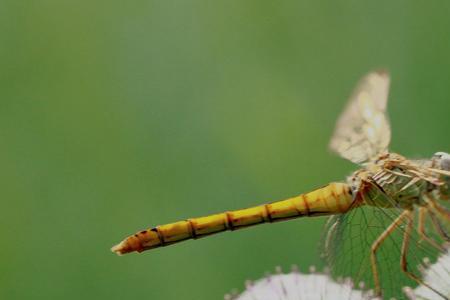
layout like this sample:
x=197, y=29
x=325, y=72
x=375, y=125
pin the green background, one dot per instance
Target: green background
x=120, y=115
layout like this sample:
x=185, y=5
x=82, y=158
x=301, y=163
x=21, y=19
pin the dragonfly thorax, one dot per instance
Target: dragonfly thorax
x=390, y=180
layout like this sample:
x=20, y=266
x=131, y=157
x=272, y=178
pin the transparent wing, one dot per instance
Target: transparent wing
x=363, y=131
x=349, y=238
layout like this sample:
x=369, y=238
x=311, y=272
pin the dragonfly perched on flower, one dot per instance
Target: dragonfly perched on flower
x=385, y=218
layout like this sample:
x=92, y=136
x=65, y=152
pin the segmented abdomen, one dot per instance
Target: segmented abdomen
x=331, y=199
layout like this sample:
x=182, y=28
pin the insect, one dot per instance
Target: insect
x=385, y=219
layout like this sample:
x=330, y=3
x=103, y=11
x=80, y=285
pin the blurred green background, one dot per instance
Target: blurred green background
x=116, y=116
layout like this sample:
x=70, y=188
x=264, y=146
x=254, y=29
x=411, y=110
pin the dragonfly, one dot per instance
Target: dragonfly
x=386, y=220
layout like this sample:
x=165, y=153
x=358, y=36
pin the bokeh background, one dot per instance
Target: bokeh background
x=116, y=116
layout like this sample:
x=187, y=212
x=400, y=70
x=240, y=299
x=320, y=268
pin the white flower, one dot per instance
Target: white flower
x=298, y=286
x=438, y=276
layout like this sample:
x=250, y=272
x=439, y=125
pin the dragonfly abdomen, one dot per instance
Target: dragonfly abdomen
x=330, y=199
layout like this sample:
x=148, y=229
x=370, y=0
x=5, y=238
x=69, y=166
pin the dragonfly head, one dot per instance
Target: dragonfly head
x=442, y=160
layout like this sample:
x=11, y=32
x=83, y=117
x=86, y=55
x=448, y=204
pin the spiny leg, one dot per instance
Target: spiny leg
x=375, y=246
x=441, y=210
x=423, y=211
x=405, y=245
x=438, y=226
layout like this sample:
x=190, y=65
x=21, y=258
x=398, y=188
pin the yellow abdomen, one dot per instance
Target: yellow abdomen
x=333, y=198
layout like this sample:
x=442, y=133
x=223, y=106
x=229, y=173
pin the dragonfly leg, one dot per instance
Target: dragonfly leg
x=376, y=245
x=403, y=260
x=439, y=228
x=423, y=212
x=442, y=212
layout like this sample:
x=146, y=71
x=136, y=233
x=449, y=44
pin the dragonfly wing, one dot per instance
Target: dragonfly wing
x=349, y=238
x=363, y=129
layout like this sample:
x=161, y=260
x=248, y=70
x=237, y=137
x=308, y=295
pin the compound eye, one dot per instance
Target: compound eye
x=439, y=154
x=443, y=160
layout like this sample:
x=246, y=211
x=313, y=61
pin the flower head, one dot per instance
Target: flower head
x=298, y=286
x=436, y=275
